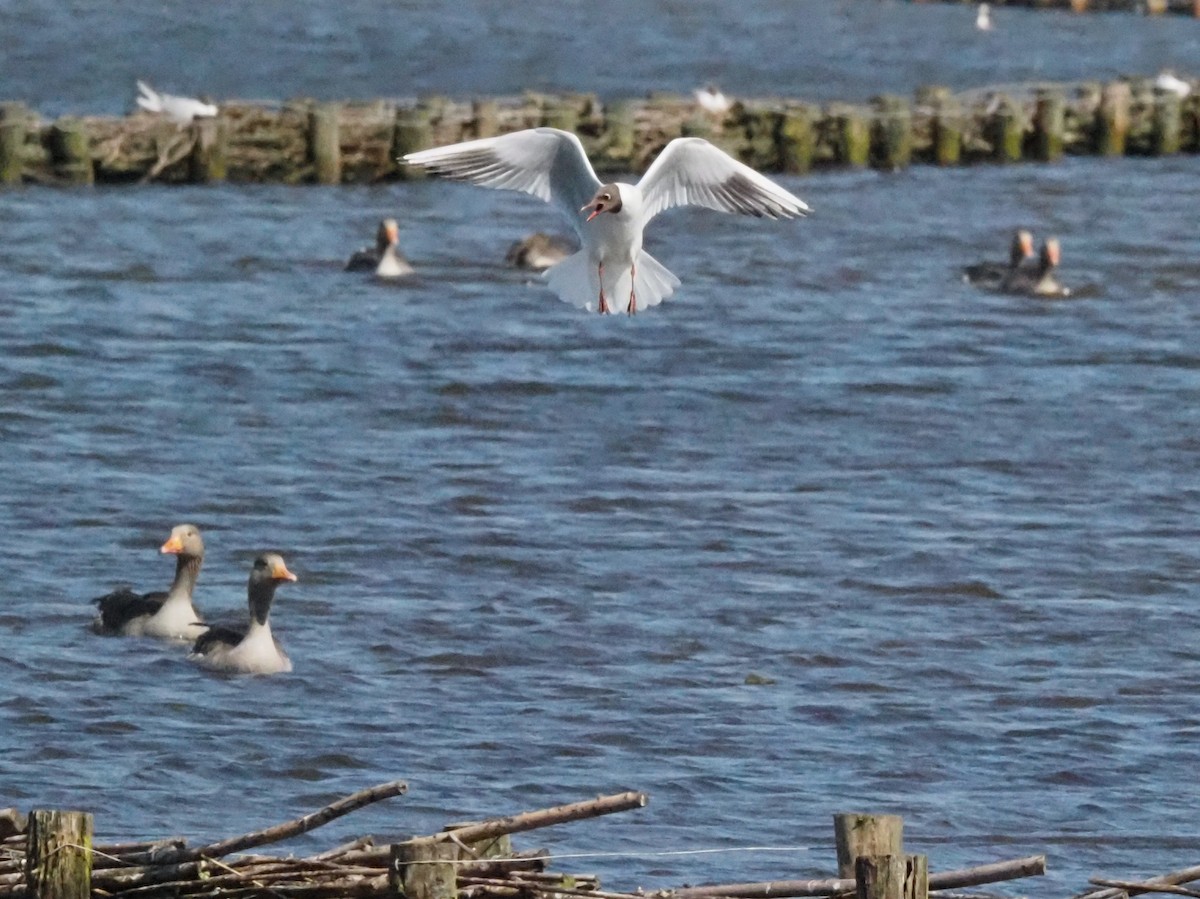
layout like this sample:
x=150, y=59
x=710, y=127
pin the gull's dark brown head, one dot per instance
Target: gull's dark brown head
x=607, y=199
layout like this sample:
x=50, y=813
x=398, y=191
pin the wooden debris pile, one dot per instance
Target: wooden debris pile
x=51, y=855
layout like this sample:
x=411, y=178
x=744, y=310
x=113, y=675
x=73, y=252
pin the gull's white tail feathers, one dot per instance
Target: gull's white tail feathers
x=577, y=281
x=149, y=99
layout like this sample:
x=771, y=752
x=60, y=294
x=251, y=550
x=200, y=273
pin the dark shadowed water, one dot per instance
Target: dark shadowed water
x=540, y=552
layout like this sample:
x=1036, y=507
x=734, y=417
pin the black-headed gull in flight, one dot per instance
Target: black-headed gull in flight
x=611, y=272
x=180, y=110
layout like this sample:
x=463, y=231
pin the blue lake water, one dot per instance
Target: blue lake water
x=538, y=551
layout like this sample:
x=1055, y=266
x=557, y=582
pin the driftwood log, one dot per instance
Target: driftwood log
x=1149, y=885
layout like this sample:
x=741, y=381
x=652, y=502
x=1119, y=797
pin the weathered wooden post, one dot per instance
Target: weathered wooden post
x=414, y=131
x=561, y=112
x=1079, y=5
x=1168, y=119
x=891, y=133
x=14, y=126
x=1156, y=7
x=324, y=150
x=761, y=127
x=620, y=128
x=70, y=151
x=58, y=859
x=485, y=118
x=870, y=835
x=852, y=140
x=1006, y=130
x=916, y=877
x=1196, y=8
x=879, y=876
x=209, y=161
x=1112, y=119
x=797, y=139
x=947, y=128
x=1048, y=120
x=424, y=869
x=1189, y=131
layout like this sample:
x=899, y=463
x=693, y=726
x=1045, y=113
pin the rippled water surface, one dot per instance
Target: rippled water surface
x=540, y=552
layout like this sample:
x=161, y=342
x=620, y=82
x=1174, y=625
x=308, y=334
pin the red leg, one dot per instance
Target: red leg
x=632, y=296
x=604, y=310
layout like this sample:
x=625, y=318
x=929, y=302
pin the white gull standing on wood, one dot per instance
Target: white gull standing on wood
x=611, y=273
x=180, y=110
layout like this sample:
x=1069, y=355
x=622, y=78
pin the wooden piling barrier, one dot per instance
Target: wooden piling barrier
x=1112, y=119
x=323, y=143
x=1167, y=121
x=58, y=857
x=70, y=152
x=891, y=133
x=868, y=835
x=422, y=869
x=879, y=876
x=209, y=161
x=14, y=127
x=1006, y=131
x=852, y=135
x=916, y=877
x=362, y=141
x=1048, y=120
x=797, y=139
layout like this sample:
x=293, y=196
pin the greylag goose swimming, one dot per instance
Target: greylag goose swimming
x=611, y=273
x=167, y=614
x=993, y=275
x=1040, y=280
x=252, y=649
x=385, y=258
x=539, y=251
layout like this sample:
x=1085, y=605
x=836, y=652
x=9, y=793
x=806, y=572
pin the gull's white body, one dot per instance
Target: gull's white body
x=983, y=17
x=551, y=164
x=711, y=99
x=180, y=110
x=1169, y=81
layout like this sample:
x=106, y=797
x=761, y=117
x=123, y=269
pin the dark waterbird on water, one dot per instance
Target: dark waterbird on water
x=539, y=251
x=1040, y=280
x=385, y=258
x=994, y=275
x=252, y=649
x=611, y=273
x=169, y=613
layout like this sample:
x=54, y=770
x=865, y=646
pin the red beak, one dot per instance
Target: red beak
x=594, y=206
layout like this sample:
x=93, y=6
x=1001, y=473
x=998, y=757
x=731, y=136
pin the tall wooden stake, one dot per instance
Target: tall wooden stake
x=58, y=861
x=870, y=835
x=879, y=876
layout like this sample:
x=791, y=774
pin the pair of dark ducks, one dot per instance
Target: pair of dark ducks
x=171, y=615
x=536, y=253
x=1025, y=273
